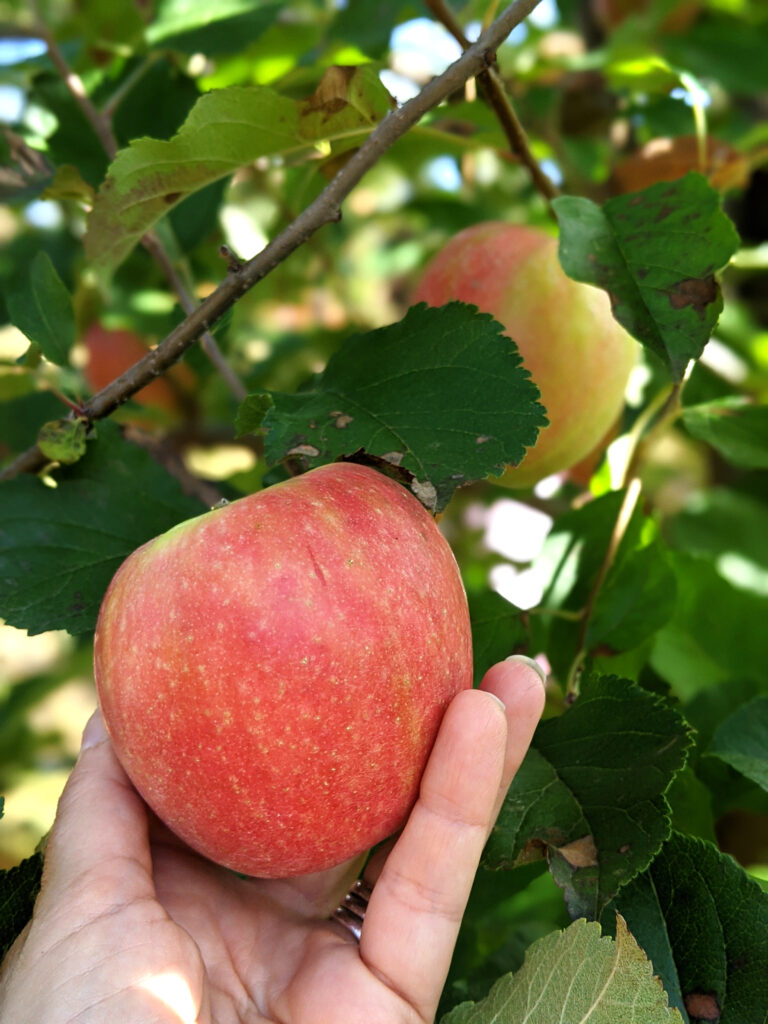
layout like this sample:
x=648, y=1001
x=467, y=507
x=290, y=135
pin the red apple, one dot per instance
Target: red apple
x=273, y=673
x=577, y=353
x=112, y=352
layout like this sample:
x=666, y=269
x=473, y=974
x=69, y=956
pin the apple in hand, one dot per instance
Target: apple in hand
x=578, y=355
x=273, y=673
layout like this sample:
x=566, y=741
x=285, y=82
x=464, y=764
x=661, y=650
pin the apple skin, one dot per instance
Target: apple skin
x=578, y=355
x=273, y=673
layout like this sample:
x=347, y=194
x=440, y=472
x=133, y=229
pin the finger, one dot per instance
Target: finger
x=417, y=903
x=99, y=840
x=518, y=683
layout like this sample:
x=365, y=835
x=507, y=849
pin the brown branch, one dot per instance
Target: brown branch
x=494, y=93
x=324, y=210
x=208, y=343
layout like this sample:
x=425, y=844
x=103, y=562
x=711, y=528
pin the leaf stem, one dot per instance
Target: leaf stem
x=631, y=496
x=325, y=209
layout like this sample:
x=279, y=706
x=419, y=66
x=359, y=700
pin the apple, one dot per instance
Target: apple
x=112, y=352
x=273, y=673
x=578, y=355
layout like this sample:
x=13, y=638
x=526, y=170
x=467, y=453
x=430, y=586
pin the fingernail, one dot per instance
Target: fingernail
x=94, y=732
x=497, y=699
x=531, y=663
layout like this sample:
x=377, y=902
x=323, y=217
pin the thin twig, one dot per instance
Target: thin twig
x=74, y=83
x=324, y=210
x=496, y=96
x=623, y=519
x=155, y=248
x=101, y=123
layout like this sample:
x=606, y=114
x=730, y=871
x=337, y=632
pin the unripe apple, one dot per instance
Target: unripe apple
x=273, y=673
x=577, y=353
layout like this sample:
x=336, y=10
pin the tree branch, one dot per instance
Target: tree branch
x=496, y=96
x=324, y=210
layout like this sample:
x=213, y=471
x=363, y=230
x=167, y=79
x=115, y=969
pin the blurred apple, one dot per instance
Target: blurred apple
x=577, y=353
x=112, y=352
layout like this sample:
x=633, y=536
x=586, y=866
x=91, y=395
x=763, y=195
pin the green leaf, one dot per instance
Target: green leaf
x=60, y=546
x=737, y=429
x=704, y=924
x=42, y=310
x=442, y=394
x=19, y=887
x=656, y=253
x=576, y=976
x=590, y=792
x=496, y=630
x=717, y=631
x=63, y=440
x=251, y=413
x=742, y=741
x=197, y=26
x=225, y=130
x=635, y=602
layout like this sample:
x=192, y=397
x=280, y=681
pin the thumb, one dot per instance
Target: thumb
x=99, y=841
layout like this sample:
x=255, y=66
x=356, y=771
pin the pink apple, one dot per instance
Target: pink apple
x=273, y=673
x=576, y=352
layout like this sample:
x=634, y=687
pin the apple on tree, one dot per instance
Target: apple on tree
x=113, y=351
x=578, y=355
x=273, y=673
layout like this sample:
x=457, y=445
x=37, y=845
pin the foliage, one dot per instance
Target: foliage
x=188, y=136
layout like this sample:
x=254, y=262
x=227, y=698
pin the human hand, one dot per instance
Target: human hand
x=132, y=926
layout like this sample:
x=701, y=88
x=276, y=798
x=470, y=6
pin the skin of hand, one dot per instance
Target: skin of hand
x=132, y=926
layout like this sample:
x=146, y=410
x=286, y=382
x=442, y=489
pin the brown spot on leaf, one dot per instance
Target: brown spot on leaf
x=331, y=94
x=305, y=449
x=702, y=1006
x=581, y=853
x=171, y=197
x=698, y=292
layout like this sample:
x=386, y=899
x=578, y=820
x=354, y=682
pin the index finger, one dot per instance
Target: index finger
x=414, y=913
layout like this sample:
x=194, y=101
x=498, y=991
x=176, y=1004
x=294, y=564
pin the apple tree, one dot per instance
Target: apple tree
x=216, y=218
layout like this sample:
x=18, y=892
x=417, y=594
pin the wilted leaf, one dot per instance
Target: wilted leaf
x=590, y=792
x=742, y=741
x=704, y=924
x=576, y=976
x=667, y=159
x=41, y=308
x=63, y=440
x=442, y=395
x=60, y=546
x=738, y=430
x=656, y=253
